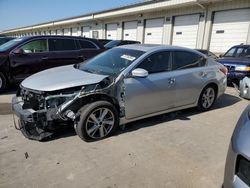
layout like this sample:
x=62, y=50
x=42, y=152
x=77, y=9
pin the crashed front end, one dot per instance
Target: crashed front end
x=38, y=113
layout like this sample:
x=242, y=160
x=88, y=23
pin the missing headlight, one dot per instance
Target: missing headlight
x=57, y=100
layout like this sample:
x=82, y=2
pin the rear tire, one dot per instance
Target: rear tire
x=207, y=98
x=98, y=120
x=3, y=82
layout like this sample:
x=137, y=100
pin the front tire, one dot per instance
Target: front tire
x=207, y=98
x=3, y=82
x=98, y=120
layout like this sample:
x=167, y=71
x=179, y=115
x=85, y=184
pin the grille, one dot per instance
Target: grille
x=230, y=68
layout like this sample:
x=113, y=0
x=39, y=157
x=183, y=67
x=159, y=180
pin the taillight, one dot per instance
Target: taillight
x=224, y=70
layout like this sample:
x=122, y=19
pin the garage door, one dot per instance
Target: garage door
x=154, y=31
x=111, y=32
x=185, y=30
x=130, y=30
x=229, y=28
x=53, y=32
x=66, y=31
x=59, y=32
x=74, y=31
x=86, y=31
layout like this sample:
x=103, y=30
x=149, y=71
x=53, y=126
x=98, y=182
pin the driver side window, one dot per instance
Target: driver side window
x=158, y=62
x=35, y=46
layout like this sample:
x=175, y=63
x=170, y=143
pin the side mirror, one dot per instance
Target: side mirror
x=18, y=51
x=220, y=56
x=141, y=73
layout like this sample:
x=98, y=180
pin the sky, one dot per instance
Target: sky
x=20, y=13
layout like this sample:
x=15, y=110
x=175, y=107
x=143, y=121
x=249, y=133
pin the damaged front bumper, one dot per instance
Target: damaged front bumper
x=30, y=122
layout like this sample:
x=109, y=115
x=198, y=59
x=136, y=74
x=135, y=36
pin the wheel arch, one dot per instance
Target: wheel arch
x=212, y=83
x=96, y=97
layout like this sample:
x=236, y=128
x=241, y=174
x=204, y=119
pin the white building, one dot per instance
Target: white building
x=209, y=24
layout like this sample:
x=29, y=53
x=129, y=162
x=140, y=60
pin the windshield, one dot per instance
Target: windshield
x=111, y=62
x=238, y=52
x=10, y=44
x=4, y=40
x=112, y=44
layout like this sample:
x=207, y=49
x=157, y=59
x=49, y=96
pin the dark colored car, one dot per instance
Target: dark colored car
x=5, y=39
x=104, y=41
x=237, y=61
x=115, y=43
x=22, y=57
x=208, y=53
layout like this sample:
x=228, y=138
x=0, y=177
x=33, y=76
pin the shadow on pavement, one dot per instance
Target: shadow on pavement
x=185, y=115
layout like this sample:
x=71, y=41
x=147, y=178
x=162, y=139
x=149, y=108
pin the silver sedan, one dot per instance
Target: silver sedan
x=237, y=171
x=121, y=85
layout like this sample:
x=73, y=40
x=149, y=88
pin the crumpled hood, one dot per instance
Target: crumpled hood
x=235, y=61
x=61, y=78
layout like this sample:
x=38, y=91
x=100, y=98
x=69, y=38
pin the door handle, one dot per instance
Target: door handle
x=45, y=58
x=171, y=80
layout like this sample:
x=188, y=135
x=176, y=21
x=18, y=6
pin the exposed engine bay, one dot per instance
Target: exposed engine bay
x=43, y=112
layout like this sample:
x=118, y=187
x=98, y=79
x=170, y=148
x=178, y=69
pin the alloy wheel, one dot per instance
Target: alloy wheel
x=208, y=97
x=99, y=123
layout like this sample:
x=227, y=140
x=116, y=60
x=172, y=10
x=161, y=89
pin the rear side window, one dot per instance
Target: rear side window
x=158, y=62
x=35, y=46
x=86, y=44
x=185, y=60
x=62, y=44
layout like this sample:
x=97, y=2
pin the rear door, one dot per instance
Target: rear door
x=31, y=60
x=88, y=49
x=154, y=93
x=190, y=74
x=62, y=51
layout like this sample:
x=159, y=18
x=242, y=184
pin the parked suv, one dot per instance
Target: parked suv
x=118, y=86
x=237, y=61
x=22, y=57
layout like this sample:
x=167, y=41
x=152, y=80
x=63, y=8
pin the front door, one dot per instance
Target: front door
x=154, y=93
x=29, y=60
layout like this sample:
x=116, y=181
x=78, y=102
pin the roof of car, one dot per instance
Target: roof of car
x=55, y=36
x=62, y=36
x=242, y=45
x=152, y=47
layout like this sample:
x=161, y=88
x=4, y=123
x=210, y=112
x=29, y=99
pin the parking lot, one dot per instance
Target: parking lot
x=183, y=149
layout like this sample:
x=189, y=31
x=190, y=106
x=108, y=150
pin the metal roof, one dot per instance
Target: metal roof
x=134, y=8
x=139, y=3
